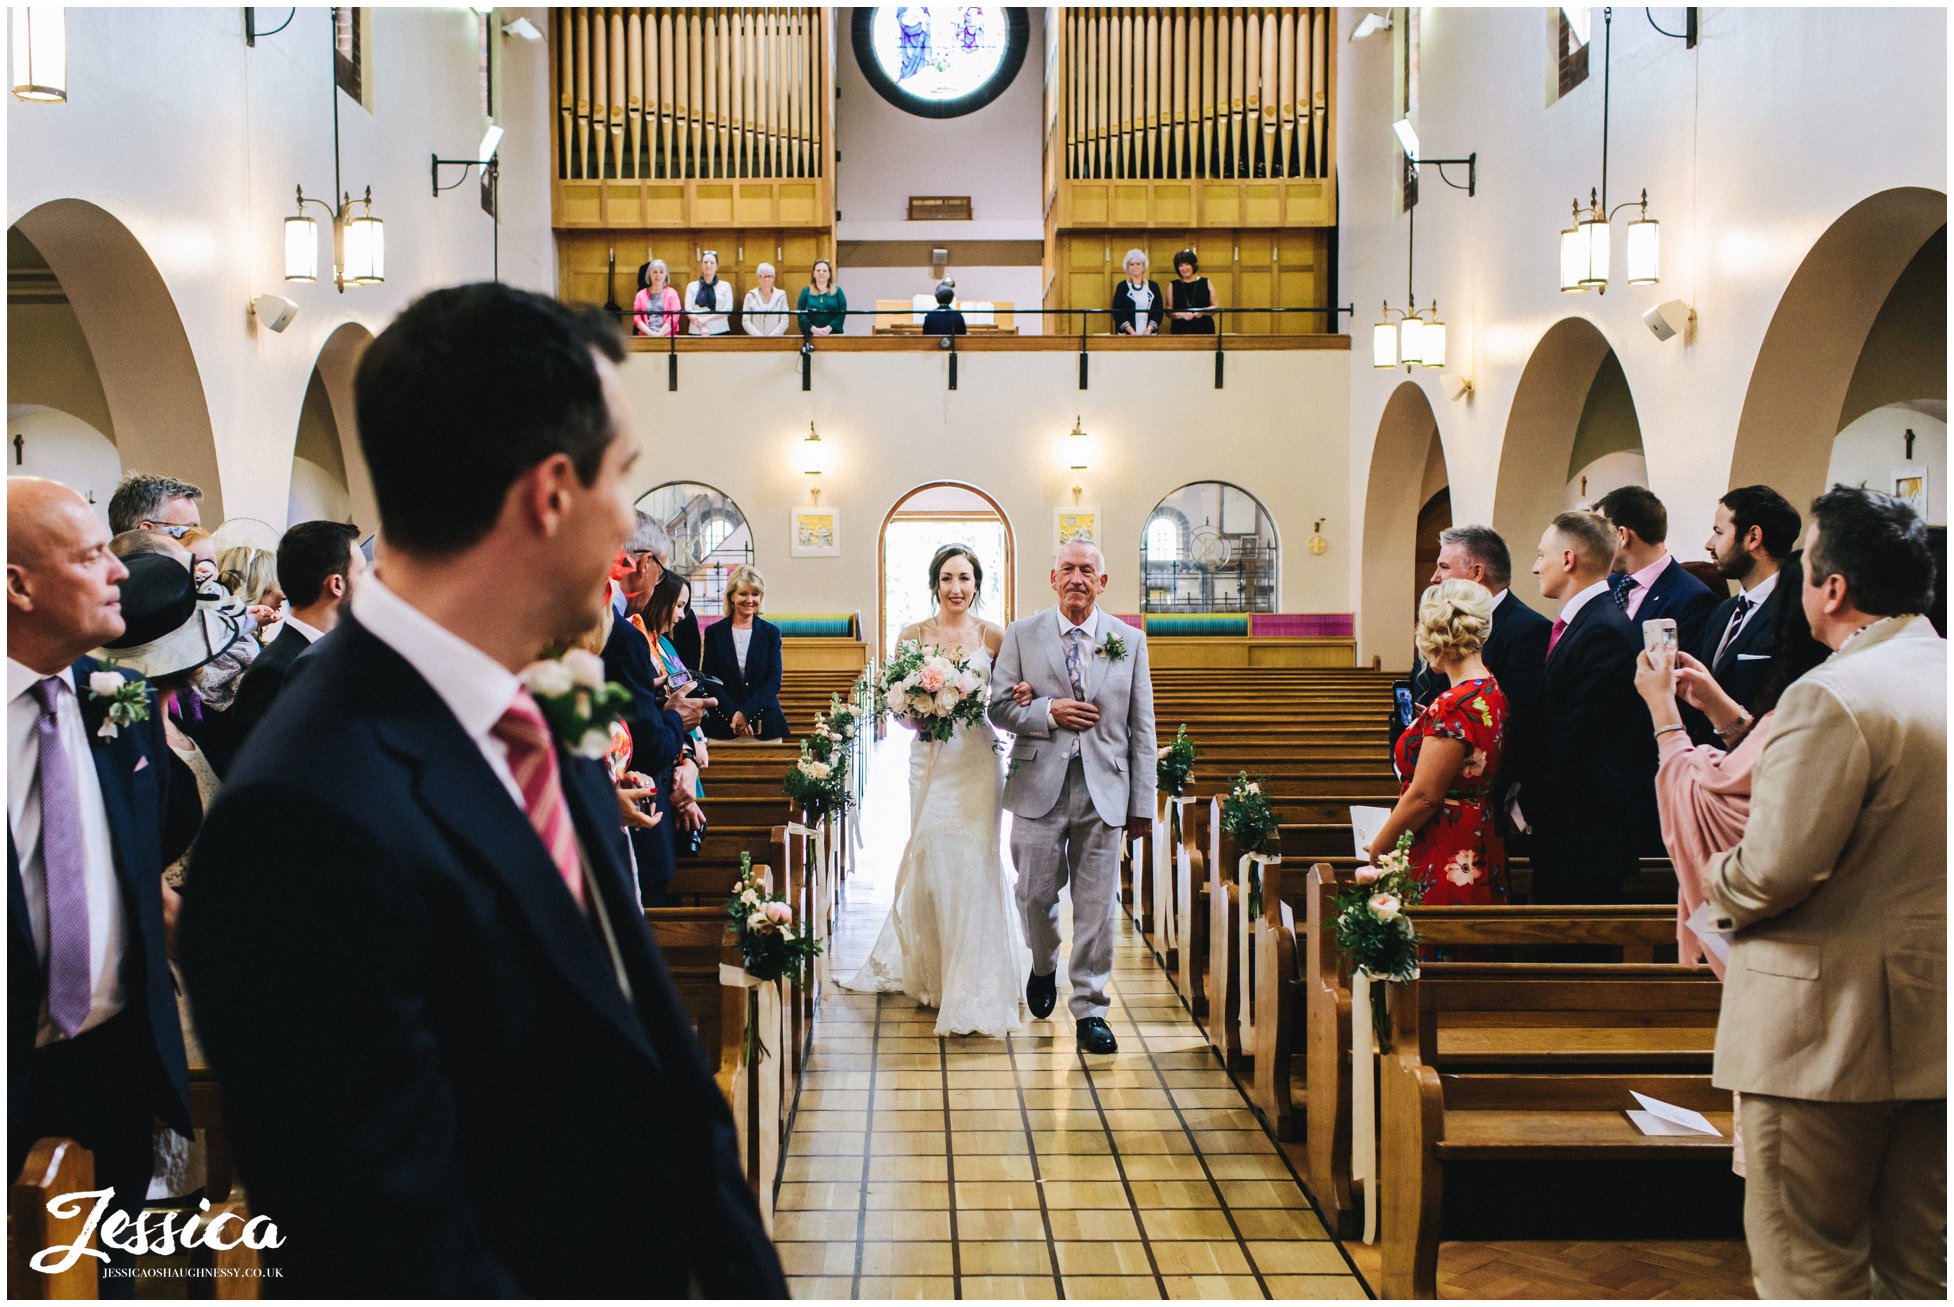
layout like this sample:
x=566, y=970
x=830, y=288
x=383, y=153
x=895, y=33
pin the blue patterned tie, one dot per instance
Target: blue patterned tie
x=1074, y=668
x=1621, y=586
x=69, y=988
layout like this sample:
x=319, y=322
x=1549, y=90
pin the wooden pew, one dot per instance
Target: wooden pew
x=226, y=1274
x=53, y=1167
x=1510, y=1088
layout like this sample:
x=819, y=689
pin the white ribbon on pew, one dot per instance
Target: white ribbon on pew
x=1363, y=1098
x=1168, y=894
x=823, y=884
x=1246, y=932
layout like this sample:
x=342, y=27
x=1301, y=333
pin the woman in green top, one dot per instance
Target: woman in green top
x=823, y=305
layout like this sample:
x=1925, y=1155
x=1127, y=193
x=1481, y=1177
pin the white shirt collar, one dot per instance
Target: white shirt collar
x=21, y=679
x=1580, y=601
x=311, y=633
x=1758, y=593
x=1499, y=598
x=1090, y=626
x=476, y=688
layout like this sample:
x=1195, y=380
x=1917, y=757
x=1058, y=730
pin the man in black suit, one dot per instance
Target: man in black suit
x=1587, y=765
x=1755, y=528
x=1647, y=581
x=94, y=1043
x=1516, y=650
x=319, y=564
x=452, y=1060
x=661, y=745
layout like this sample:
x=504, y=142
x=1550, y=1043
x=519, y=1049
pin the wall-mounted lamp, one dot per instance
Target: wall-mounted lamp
x=1455, y=385
x=813, y=461
x=523, y=29
x=40, y=53
x=1370, y=24
x=1078, y=454
x=491, y=166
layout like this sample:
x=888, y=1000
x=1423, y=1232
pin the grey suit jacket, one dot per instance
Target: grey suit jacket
x=1837, y=984
x=1118, y=750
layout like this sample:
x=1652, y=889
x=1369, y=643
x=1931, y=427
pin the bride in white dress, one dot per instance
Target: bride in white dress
x=953, y=940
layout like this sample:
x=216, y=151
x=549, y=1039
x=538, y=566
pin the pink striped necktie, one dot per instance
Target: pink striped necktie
x=1553, y=636
x=532, y=760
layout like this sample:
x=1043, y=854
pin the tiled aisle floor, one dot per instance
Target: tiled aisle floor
x=921, y=1167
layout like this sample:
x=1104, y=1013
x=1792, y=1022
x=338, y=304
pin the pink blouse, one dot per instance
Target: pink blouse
x=656, y=317
x=1703, y=796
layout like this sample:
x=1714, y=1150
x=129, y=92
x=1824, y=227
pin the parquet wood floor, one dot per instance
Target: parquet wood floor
x=1588, y=1269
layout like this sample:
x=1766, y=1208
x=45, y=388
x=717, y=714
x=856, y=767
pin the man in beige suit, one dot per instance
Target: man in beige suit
x=1834, y=1022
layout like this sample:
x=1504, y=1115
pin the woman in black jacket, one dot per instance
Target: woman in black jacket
x=1137, y=304
x=744, y=652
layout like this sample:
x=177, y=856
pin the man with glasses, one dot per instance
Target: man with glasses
x=147, y=503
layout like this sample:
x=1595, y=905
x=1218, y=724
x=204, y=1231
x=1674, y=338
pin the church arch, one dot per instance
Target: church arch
x=924, y=519
x=1396, y=499
x=710, y=537
x=1225, y=557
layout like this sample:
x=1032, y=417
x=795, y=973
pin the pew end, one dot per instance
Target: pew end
x=53, y=1167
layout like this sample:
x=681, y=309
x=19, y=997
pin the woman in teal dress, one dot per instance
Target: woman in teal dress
x=823, y=305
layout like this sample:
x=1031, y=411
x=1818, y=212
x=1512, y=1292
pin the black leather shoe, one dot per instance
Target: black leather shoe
x=1095, y=1036
x=1041, y=994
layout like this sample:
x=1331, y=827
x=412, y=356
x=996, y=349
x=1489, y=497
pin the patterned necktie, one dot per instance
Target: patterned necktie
x=532, y=759
x=69, y=987
x=1621, y=587
x=1736, y=625
x=1074, y=664
x=1553, y=636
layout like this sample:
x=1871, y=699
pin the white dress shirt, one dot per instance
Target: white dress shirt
x=742, y=641
x=1573, y=606
x=107, y=928
x=1499, y=597
x=1757, y=594
x=312, y=633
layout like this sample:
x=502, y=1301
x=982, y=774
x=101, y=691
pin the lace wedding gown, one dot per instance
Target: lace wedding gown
x=953, y=940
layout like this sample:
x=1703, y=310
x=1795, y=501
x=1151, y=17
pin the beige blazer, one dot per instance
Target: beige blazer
x=1837, y=985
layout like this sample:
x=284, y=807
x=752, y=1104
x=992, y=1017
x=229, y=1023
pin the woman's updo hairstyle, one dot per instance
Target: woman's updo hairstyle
x=1454, y=619
x=943, y=556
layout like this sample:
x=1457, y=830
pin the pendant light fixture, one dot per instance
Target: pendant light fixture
x=359, y=242
x=1585, y=246
x=40, y=38
x=1416, y=338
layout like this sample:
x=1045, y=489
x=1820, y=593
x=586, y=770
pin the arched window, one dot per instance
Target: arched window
x=1209, y=547
x=709, y=534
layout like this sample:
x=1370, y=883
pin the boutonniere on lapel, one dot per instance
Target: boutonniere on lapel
x=1112, y=648
x=577, y=702
x=124, y=700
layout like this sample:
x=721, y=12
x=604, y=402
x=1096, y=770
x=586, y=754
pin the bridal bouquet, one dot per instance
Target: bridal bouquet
x=1372, y=928
x=937, y=692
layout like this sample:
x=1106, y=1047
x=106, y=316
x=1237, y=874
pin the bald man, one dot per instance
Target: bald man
x=94, y=1044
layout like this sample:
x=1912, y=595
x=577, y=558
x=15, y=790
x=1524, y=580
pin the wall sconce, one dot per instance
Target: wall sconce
x=1078, y=454
x=813, y=461
x=359, y=243
x=41, y=53
x=491, y=166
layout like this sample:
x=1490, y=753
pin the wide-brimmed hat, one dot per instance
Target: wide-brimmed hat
x=167, y=631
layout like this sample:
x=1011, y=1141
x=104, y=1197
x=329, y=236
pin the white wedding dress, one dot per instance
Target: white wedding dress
x=953, y=940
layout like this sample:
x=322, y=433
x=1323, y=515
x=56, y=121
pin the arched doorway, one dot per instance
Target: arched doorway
x=710, y=537
x=1402, y=512
x=151, y=391
x=329, y=475
x=1209, y=547
x=1825, y=360
x=1571, y=437
x=920, y=523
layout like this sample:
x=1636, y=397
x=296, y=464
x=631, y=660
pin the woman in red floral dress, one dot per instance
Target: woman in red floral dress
x=1449, y=759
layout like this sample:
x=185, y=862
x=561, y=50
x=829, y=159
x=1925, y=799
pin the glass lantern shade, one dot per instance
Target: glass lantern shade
x=40, y=40
x=301, y=249
x=1411, y=340
x=1573, y=261
x=1431, y=343
x=1384, y=346
x=1593, y=240
x=366, y=251
x=1643, y=252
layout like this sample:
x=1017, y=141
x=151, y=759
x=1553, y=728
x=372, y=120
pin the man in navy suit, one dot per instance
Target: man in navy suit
x=1516, y=650
x=319, y=564
x=453, y=1063
x=1755, y=528
x=94, y=1043
x=1587, y=765
x=1647, y=581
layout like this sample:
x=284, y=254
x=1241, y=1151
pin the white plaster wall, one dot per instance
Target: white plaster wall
x=891, y=425
x=1869, y=450
x=195, y=142
x=1750, y=146
x=1622, y=468
x=64, y=448
x=888, y=155
x=317, y=495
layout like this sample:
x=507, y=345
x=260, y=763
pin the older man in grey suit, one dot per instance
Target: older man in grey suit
x=1082, y=776
x=1834, y=1021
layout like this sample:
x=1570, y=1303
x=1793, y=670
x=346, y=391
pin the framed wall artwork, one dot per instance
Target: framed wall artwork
x=1910, y=484
x=814, y=533
x=1075, y=524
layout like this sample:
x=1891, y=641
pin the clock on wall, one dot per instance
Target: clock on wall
x=940, y=61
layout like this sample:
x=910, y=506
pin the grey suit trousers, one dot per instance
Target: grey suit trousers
x=1070, y=844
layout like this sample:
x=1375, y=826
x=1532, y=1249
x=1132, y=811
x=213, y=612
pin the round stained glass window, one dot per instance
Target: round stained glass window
x=940, y=61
